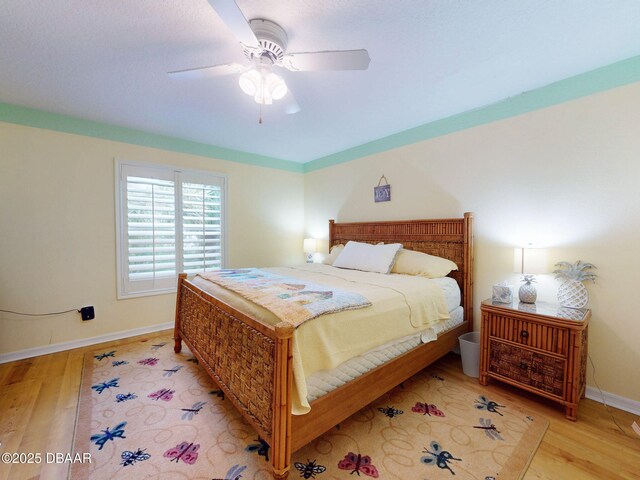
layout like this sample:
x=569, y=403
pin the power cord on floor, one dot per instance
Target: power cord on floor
x=593, y=367
x=39, y=314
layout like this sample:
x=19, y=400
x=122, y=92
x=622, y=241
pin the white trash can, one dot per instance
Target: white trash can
x=470, y=353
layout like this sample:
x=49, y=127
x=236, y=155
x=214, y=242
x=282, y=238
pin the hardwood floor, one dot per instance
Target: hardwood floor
x=38, y=400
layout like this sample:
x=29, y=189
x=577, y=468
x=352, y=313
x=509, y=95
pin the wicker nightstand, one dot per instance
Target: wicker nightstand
x=538, y=347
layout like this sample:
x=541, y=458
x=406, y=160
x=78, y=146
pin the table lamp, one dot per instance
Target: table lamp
x=529, y=261
x=310, y=247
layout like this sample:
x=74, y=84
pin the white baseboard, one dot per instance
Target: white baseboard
x=614, y=400
x=59, y=347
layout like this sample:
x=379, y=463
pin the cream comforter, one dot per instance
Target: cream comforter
x=401, y=305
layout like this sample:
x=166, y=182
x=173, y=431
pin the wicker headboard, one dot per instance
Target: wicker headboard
x=450, y=238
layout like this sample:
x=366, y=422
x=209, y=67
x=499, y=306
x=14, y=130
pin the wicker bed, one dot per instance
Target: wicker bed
x=251, y=360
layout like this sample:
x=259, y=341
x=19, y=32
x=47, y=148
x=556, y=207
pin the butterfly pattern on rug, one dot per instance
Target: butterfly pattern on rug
x=157, y=392
x=151, y=361
x=163, y=394
x=107, y=434
x=427, y=409
x=358, y=463
x=439, y=457
x=185, y=451
x=483, y=403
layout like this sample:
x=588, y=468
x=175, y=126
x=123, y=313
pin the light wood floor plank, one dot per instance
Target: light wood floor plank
x=50, y=371
x=16, y=406
x=65, y=414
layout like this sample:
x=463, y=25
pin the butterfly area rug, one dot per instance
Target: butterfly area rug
x=146, y=412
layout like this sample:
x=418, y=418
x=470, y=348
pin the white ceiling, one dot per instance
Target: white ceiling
x=107, y=61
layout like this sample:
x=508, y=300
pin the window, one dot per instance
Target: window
x=168, y=221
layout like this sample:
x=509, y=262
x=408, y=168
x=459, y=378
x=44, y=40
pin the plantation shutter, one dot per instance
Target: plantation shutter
x=201, y=225
x=149, y=205
x=170, y=221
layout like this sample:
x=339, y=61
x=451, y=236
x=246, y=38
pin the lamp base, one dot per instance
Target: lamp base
x=309, y=257
x=527, y=293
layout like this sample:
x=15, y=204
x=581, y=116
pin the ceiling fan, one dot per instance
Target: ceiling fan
x=265, y=45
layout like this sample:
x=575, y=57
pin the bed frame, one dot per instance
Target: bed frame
x=251, y=360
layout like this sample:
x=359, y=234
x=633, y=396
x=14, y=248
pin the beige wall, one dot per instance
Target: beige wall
x=57, y=248
x=566, y=177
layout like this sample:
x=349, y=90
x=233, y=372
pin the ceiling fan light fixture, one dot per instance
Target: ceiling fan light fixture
x=263, y=85
x=250, y=82
x=275, y=86
x=263, y=98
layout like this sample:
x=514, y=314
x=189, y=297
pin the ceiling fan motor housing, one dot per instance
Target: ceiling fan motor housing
x=272, y=38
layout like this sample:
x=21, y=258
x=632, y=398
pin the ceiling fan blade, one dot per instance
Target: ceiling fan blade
x=233, y=18
x=211, y=71
x=330, y=60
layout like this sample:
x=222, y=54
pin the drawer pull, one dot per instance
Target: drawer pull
x=524, y=334
x=523, y=366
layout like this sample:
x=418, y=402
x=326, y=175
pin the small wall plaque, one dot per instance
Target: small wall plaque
x=382, y=193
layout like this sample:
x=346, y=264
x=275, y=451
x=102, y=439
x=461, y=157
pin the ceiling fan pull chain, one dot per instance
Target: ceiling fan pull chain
x=260, y=119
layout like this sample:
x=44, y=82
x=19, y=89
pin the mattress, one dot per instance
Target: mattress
x=451, y=291
x=324, y=381
x=414, y=304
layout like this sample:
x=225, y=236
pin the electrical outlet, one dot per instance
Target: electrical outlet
x=88, y=313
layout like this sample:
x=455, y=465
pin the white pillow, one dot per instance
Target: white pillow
x=422, y=264
x=333, y=254
x=367, y=257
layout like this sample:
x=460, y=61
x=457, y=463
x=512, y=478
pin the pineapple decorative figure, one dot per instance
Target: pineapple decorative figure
x=572, y=292
x=527, y=291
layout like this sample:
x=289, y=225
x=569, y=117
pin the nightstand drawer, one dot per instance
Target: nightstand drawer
x=534, y=369
x=532, y=334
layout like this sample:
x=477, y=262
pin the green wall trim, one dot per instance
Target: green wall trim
x=604, y=78
x=594, y=81
x=67, y=124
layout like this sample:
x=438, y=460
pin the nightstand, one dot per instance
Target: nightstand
x=540, y=347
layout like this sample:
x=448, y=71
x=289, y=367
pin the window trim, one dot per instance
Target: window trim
x=179, y=175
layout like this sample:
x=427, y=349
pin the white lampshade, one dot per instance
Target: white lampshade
x=310, y=245
x=531, y=261
x=250, y=81
x=276, y=86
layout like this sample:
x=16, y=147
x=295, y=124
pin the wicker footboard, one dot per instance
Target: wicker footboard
x=249, y=360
